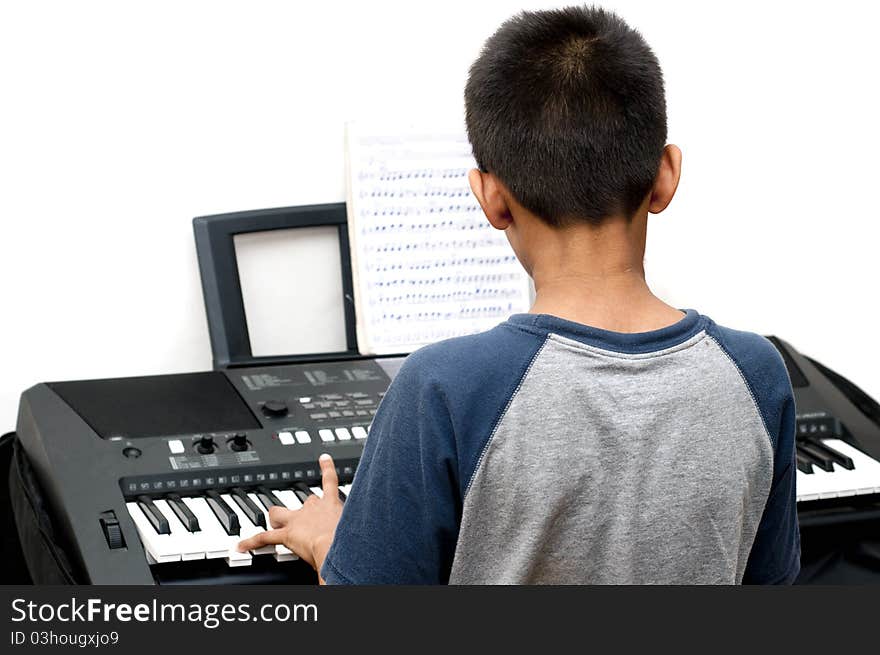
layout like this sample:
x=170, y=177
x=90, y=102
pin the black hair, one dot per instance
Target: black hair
x=567, y=108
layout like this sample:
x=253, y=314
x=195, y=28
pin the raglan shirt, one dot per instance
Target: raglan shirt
x=546, y=451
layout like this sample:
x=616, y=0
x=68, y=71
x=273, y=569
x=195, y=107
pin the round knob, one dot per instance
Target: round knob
x=275, y=408
x=205, y=444
x=239, y=442
x=131, y=452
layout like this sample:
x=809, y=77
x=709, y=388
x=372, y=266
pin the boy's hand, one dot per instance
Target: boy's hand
x=308, y=532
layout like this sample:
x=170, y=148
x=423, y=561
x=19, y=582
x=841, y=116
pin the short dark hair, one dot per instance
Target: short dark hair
x=567, y=108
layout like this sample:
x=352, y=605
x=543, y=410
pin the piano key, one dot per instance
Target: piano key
x=154, y=516
x=248, y=507
x=302, y=491
x=267, y=498
x=843, y=460
x=187, y=518
x=820, y=458
x=317, y=491
x=224, y=513
x=346, y=489
x=217, y=542
x=289, y=498
x=866, y=469
x=282, y=553
x=804, y=464
x=189, y=545
x=863, y=478
x=248, y=527
x=161, y=547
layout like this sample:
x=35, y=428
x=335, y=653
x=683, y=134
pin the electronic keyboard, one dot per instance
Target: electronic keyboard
x=156, y=479
x=838, y=442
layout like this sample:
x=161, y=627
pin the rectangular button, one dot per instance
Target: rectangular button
x=286, y=438
x=176, y=447
x=302, y=436
x=359, y=432
x=343, y=434
x=326, y=435
x=317, y=416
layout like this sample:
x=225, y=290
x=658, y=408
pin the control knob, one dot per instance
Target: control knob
x=275, y=408
x=238, y=442
x=205, y=444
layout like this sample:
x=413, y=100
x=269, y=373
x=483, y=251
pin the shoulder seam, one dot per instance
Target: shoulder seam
x=500, y=417
x=748, y=386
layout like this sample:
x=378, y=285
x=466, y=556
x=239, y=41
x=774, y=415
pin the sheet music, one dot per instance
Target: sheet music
x=426, y=264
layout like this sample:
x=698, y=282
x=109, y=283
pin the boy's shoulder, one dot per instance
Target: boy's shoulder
x=763, y=371
x=755, y=356
x=466, y=363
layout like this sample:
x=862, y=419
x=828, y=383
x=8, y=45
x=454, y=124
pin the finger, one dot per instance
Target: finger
x=261, y=539
x=279, y=516
x=329, y=479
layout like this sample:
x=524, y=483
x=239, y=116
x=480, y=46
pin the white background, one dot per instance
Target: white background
x=120, y=121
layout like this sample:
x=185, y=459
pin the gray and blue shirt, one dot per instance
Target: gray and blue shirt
x=545, y=451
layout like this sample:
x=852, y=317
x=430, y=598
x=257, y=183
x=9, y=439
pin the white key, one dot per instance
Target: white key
x=290, y=499
x=359, y=432
x=325, y=434
x=161, y=547
x=864, y=478
x=866, y=469
x=343, y=434
x=302, y=436
x=188, y=544
x=282, y=553
x=346, y=489
x=217, y=542
x=317, y=491
x=248, y=529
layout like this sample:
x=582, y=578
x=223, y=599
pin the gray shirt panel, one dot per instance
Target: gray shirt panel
x=618, y=468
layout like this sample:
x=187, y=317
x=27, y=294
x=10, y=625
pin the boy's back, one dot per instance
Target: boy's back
x=545, y=451
x=659, y=448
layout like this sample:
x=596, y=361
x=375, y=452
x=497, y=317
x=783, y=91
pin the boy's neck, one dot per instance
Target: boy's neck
x=595, y=276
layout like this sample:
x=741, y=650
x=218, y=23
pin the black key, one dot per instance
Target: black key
x=841, y=459
x=155, y=516
x=249, y=507
x=228, y=518
x=184, y=513
x=268, y=498
x=819, y=458
x=804, y=464
x=342, y=495
x=302, y=491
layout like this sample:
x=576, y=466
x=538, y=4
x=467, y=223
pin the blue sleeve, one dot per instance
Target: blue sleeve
x=400, y=523
x=775, y=554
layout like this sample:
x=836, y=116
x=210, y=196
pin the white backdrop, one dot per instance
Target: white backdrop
x=120, y=121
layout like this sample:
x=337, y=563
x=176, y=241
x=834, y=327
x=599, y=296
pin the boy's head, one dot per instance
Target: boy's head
x=566, y=109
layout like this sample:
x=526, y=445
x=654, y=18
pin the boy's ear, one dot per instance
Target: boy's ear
x=667, y=179
x=490, y=195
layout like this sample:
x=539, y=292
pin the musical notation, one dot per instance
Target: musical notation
x=426, y=264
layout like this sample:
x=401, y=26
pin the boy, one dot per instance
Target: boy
x=605, y=437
